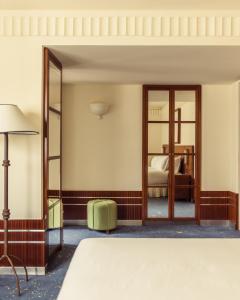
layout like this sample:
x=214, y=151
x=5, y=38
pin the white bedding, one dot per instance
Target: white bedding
x=152, y=269
x=157, y=177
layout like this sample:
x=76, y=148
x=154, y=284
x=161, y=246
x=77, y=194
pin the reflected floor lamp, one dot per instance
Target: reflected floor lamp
x=12, y=121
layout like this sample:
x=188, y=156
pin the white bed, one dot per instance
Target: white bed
x=157, y=177
x=150, y=269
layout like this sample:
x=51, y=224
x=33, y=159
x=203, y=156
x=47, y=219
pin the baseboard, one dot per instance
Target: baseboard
x=75, y=222
x=226, y=223
x=130, y=222
x=20, y=270
x=119, y=222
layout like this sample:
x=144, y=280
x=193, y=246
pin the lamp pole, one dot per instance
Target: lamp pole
x=6, y=215
x=6, y=211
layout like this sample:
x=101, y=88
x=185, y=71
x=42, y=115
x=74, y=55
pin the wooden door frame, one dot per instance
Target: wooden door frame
x=171, y=89
x=48, y=57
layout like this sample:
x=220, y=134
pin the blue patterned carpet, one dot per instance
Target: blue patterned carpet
x=47, y=287
x=158, y=208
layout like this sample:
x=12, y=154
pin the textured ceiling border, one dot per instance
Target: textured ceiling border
x=152, y=25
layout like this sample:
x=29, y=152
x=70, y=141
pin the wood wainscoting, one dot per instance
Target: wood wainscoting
x=75, y=203
x=27, y=241
x=219, y=206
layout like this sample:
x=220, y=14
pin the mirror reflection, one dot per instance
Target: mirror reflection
x=160, y=196
x=54, y=87
x=158, y=186
x=54, y=143
x=55, y=209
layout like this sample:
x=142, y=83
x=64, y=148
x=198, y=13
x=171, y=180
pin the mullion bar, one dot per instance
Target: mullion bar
x=156, y=154
x=54, y=157
x=185, y=186
x=185, y=122
x=55, y=111
x=158, y=122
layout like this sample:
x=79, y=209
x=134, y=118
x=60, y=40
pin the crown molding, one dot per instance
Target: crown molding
x=152, y=24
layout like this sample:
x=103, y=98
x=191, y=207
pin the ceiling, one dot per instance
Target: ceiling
x=117, y=4
x=149, y=64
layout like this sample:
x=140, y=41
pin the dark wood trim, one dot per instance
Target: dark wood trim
x=118, y=194
x=75, y=203
x=178, y=122
x=29, y=236
x=24, y=224
x=144, y=149
x=167, y=87
x=219, y=205
x=167, y=122
x=172, y=122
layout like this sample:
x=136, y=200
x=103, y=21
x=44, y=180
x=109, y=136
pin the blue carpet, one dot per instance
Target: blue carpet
x=158, y=208
x=47, y=287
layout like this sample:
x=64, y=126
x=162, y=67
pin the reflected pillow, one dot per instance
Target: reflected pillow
x=177, y=164
x=159, y=162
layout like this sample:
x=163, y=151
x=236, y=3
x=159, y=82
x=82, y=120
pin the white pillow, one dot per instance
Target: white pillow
x=177, y=164
x=159, y=162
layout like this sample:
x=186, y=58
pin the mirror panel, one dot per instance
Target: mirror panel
x=54, y=86
x=184, y=152
x=158, y=137
x=185, y=135
x=158, y=106
x=54, y=180
x=158, y=189
x=54, y=134
x=185, y=102
x=54, y=224
x=52, y=146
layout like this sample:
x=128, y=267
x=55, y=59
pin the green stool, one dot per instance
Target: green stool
x=102, y=214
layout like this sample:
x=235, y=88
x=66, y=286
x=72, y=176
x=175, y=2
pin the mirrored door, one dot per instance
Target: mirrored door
x=158, y=183
x=184, y=154
x=53, y=208
x=171, y=151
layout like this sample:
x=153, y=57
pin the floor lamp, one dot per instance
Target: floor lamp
x=12, y=121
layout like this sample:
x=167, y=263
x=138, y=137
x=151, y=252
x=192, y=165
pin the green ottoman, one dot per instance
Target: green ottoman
x=102, y=214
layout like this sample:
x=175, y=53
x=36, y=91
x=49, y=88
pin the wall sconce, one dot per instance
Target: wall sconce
x=99, y=108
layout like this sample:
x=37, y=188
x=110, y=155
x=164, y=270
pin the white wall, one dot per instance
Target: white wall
x=102, y=154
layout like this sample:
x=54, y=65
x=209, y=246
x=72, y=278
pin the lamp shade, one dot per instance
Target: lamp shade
x=13, y=121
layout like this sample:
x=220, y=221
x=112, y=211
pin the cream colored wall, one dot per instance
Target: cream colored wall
x=106, y=154
x=219, y=138
x=21, y=84
x=102, y=154
x=22, y=35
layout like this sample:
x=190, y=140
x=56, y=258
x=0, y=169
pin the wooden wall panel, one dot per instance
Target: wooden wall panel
x=219, y=205
x=75, y=203
x=26, y=241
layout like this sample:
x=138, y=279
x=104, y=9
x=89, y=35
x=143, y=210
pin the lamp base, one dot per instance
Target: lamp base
x=9, y=260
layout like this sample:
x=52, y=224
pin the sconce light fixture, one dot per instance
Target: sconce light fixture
x=99, y=108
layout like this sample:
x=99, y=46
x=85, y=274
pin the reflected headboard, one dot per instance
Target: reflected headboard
x=187, y=154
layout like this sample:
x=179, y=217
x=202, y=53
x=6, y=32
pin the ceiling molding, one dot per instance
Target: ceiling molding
x=159, y=24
